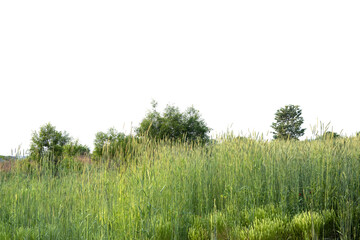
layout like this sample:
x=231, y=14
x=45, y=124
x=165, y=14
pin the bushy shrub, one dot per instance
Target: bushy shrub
x=310, y=225
x=174, y=125
x=48, y=141
x=114, y=145
x=76, y=149
x=263, y=229
x=199, y=229
x=214, y=224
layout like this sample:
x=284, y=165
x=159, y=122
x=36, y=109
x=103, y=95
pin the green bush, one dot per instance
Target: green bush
x=48, y=141
x=264, y=229
x=199, y=229
x=310, y=225
x=114, y=145
x=174, y=125
x=75, y=149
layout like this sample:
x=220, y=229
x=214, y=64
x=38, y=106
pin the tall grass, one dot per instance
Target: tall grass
x=235, y=189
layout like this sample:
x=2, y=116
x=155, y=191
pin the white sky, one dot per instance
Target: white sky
x=86, y=66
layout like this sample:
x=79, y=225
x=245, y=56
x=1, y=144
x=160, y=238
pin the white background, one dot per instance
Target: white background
x=86, y=66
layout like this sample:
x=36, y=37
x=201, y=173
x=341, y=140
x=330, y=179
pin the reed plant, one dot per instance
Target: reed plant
x=234, y=188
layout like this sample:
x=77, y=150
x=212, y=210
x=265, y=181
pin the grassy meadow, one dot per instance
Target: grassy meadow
x=237, y=188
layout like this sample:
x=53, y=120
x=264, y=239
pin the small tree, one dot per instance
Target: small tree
x=288, y=121
x=174, y=125
x=48, y=141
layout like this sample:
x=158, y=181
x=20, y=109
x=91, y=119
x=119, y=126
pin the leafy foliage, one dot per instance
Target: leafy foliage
x=114, y=144
x=48, y=141
x=174, y=125
x=106, y=141
x=288, y=121
x=76, y=149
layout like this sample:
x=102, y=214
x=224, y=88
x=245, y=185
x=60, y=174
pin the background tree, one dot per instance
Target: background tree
x=173, y=124
x=76, y=149
x=48, y=141
x=115, y=145
x=194, y=126
x=288, y=121
x=107, y=142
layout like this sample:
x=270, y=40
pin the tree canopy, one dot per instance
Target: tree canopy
x=57, y=143
x=48, y=140
x=107, y=141
x=288, y=121
x=174, y=125
x=74, y=148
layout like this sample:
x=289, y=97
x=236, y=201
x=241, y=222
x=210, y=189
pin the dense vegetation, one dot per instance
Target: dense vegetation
x=49, y=141
x=238, y=188
x=173, y=124
x=170, y=181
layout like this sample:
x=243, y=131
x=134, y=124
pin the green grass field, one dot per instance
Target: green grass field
x=235, y=189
